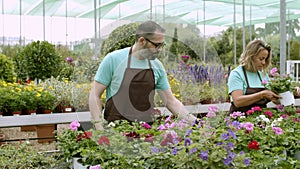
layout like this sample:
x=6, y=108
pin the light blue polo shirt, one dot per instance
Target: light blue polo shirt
x=237, y=81
x=111, y=71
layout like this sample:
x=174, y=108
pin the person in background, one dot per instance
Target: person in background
x=130, y=77
x=245, y=81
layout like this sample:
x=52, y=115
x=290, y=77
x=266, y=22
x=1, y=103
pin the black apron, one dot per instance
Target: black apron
x=134, y=101
x=262, y=103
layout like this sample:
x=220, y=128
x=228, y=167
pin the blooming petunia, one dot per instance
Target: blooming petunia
x=256, y=108
x=274, y=71
x=264, y=82
x=187, y=142
x=103, y=140
x=95, y=167
x=277, y=130
x=174, y=151
x=213, y=109
x=204, y=155
x=225, y=136
x=247, y=161
x=74, y=125
x=211, y=114
x=188, y=132
x=146, y=126
x=253, y=145
x=248, y=126
x=155, y=150
x=236, y=114
x=268, y=113
x=193, y=150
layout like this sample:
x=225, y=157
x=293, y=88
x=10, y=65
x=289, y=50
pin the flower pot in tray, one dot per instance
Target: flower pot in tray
x=32, y=127
x=287, y=98
x=45, y=133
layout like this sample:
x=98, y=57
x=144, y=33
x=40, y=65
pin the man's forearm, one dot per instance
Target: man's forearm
x=179, y=110
x=95, y=106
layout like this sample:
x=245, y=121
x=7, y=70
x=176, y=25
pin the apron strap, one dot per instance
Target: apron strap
x=129, y=59
x=245, y=74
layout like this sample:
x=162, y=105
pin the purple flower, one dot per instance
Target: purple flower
x=225, y=136
x=247, y=161
x=69, y=59
x=219, y=143
x=231, y=133
x=174, y=151
x=74, y=125
x=193, y=150
x=188, y=132
x=230, y=145
x=204, y=155
x=95, y=167
x=155, y=150
x=187, y=142
x=227, y=161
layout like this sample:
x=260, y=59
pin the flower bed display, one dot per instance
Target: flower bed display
x=261, y=138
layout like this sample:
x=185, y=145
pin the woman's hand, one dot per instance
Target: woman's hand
x=270, y=95
x=297, y=94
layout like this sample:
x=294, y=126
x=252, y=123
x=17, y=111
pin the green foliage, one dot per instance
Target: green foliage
x=174, y=47
x=6, y=69
x=39, y=60
x=121, y=37
x=224, y=44
x=23, y=155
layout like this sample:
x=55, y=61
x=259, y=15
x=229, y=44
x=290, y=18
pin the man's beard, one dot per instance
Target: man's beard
x=148, y=54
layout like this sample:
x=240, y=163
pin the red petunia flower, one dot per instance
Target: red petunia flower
x=253, y=145
x=103, y=140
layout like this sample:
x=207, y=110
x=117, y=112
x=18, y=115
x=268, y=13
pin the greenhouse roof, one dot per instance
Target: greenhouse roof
x=197, y=12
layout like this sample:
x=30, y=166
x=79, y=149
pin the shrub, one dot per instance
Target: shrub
x=121, y=37
x=6, y=69
x=39, y=60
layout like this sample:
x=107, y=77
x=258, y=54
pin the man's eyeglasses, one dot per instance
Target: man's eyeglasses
x=157, y=45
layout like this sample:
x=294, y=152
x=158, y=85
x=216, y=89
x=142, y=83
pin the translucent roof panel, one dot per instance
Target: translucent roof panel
x=209, y=12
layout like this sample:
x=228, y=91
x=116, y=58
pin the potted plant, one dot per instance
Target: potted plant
x=46, y=100
x=62, y=89
x=15, y=99
x=281, y=85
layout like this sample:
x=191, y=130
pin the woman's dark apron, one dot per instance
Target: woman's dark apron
x=262, y=103
x=134, y=101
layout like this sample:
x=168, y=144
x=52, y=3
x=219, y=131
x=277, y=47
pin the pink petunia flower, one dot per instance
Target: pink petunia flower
x=274, y=71
x=146, y=126
x=277, y=130
x=248, y=126
x=213, y=109
x=268, y=113
x=74, y=125
x=95, y=167
x=236, y=114
x=211, y=114
x=256, y=108
x=264, y=82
